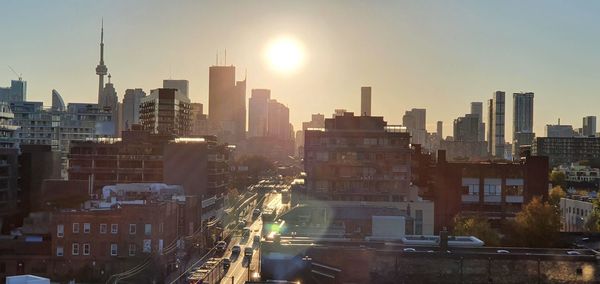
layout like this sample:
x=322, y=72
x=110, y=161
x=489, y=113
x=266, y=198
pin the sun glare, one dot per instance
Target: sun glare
x=285, y=54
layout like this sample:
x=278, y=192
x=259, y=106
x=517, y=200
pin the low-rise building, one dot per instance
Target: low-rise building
x=575, y=212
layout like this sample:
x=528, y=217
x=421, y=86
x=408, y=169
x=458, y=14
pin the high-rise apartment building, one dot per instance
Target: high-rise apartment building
x=17, y=92
x=258, y=112
x=9, y=151
x=182, y=86
x=227, y=103
x=522, y=122
x=477, y=109
x=199, y=120
x=440, y=129
x=166, y=111
x=58, y=104
x=497, y=124
x=131, y=107
x=589, y=126
x=466, y=129
x=414, y=121
x=365, y=101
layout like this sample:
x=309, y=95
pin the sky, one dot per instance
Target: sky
x=438, y=55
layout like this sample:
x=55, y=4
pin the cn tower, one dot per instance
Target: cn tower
x=101, y=69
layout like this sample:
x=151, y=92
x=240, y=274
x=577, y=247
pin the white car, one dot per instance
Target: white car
x=573, y=252
x=222, y=245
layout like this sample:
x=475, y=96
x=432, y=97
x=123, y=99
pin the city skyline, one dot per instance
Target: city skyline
x=446, y=62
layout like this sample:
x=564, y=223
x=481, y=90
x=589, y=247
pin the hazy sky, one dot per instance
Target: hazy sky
x=439, y=55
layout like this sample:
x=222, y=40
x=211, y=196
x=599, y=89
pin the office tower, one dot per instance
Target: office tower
x=440, y=129
x=17, y=92
x=278, y=121
x=258, y=112
x=131, y=107
x=365, y=101
x=477, y=109
x=165, y=111
x=58, y=104
x=497, y=123
x=182, y=86
x=414, y=121
x=101, y=69
x=199, y=120
x=109, y=98
x=227, y=103
x=589, y=126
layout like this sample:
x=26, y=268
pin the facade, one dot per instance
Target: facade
x=440, y=129
x=17, y=92
x=166, y=111
x=131, y=107
x=558, y=130
x=227, y=103
x=496, y=125
x=589, y=126
x=494, y=190
x=58, y=104
x=199, y=120
x=575, y=213
x=466, y=129
x=258, y=113
x=9, y=167
x=183, y=86
x=365, y=101
x=357, y=158
x=566, y=150
x=522, y=122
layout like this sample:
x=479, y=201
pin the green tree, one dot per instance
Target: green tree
x=592, y=224
x=537, y=225
x=476, y=226
x=558, y=178
x=556, y=193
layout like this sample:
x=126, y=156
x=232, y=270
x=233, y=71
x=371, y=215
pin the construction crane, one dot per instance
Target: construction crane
x=18, y=75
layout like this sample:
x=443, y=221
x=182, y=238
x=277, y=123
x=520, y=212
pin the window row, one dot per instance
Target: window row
x=86, y=248
x=114, y=229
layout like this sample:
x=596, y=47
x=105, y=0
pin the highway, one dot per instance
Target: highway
x=240, y=266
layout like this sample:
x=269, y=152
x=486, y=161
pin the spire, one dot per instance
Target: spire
x=109, y=76
x=102, y=43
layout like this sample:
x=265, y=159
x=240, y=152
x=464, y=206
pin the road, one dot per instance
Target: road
x=240, y=266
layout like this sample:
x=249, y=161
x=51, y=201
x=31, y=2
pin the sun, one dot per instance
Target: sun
x=285, y=54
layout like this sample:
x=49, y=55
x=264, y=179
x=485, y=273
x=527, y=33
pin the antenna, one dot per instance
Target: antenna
x=18, y=75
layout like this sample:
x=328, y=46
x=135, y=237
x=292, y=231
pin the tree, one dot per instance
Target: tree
x=558, y=178
x=556, y=193
x=592, y=224
x=476, y=226
x=537, y=225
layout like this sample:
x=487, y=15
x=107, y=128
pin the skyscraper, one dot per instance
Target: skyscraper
x=414, y=121
x=101, y=69
x=497, y=124
x=589, y=126
x=278, y=124
x=182, y=86
x=477, y=109
x=58, y=104
x=258, y=112
x=165, y=111
x=109, y=98
x=466, y=129
x=440, y=129
x=17, y=92
x=131, y=107
x=365, y=101
x=522, y=121
x=227, y=103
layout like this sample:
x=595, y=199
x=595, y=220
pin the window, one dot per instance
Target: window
x=418, y=222
x=148, y=229
x=86, y=249
x=132, y=229
x=75, y=249
x=114, y=228
x=161, y=228
x=103, y=228
x=113, y=249
x=76, y=228
x=131, y=249
x=60, y=230
x=60, y=251
x=86, y=228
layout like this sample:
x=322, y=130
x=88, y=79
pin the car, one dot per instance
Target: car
x=409, y=250
x=226, y=263
x=502, y=251
x=246, y=232
x=255, y=213
x=248, y=252
x=221, y=245
x=237, y=249
x=573, y=252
